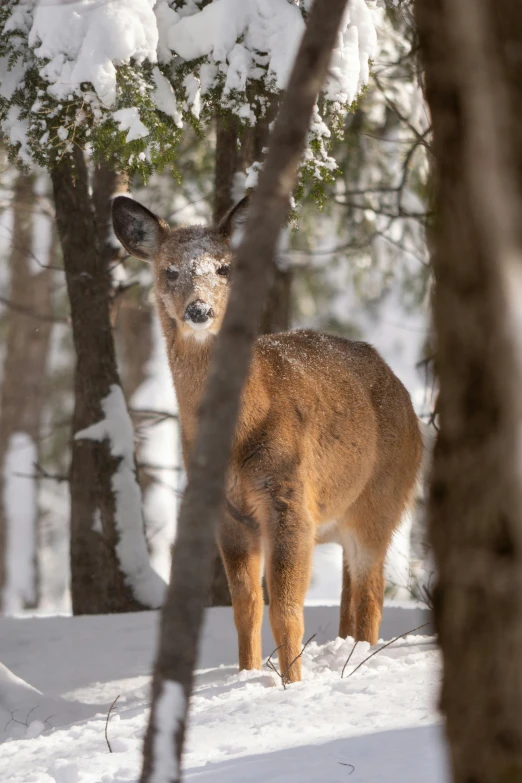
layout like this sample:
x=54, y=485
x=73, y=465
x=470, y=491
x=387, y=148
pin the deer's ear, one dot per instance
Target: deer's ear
x=235, y=218
x=139, y=231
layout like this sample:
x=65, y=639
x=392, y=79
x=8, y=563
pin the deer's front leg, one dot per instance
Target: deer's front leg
x=242, y=558
x=289, y=560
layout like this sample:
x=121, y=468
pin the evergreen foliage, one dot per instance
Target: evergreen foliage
x=142, y=93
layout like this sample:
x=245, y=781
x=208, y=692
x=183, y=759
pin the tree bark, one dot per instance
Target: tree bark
x=98, y=582
x=276, y=316
x=471, y=52
x=236, y=151
x=107, y=183
x=130, y=312
x=24, y=372
x=227, y=164
x=187, y=594
x=133, y=324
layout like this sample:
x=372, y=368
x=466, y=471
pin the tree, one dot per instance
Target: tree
x=28, y=321
x=474, y=89
x=109, y=559
x=187, y=594
x=238, y=149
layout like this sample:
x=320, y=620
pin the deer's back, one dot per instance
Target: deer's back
x=328, y=410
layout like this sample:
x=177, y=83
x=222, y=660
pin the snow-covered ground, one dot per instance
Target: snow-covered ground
x=59, y=675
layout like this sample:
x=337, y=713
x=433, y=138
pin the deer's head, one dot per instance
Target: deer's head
x=191, y=264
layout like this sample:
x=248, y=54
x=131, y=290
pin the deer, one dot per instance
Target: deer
x=327, y=446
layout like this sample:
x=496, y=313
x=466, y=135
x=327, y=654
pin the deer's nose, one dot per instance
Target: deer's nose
x=198, y=312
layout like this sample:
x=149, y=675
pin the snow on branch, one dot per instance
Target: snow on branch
x=116, y=427
x=125, y=76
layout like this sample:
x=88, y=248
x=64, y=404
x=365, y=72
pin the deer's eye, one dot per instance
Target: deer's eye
x=172, y=274
x=223, y=270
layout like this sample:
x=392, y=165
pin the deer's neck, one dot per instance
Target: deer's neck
x=189, y=361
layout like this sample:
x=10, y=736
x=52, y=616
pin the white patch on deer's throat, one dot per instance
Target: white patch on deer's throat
x=197, y=327
x=198, y=332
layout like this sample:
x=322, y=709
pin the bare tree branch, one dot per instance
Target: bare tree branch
x=28, y=311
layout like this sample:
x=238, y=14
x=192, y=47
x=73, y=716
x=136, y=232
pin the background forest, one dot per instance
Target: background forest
x=354, y=262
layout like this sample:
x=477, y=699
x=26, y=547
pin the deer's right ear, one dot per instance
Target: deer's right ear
x=235, y=218
x=139, y=231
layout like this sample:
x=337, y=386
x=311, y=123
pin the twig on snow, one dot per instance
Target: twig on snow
x=271, y=665
x=26, y=721
x=344, y=764
x=107, y=722
x=424, y=625
x=348, y=661
x=305, y=645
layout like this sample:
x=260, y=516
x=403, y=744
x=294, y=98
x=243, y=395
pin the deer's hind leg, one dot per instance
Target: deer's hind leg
x=242, y=557
x=363, y=594
x=290, y=542
x=368, y=603
x=347, y=619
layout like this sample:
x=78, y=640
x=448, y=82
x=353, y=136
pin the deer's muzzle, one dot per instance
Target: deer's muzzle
x=198, y=312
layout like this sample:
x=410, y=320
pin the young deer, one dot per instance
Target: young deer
x=327, y=445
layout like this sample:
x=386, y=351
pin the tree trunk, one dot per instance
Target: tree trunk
x=187, y=594
x=236, y=151
x=471, y=53
x=130, y=312
x=101, y=581
x=133, y=324
x=233, y=153
x=276, y=315
x=21, y=403
x=227, y=164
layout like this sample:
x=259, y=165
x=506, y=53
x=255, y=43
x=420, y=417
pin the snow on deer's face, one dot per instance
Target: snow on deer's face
x=192, y=279
x=191, y=264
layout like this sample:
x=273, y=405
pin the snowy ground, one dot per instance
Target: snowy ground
x=60, y=674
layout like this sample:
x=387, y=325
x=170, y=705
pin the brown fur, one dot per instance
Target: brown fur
x=327, y=446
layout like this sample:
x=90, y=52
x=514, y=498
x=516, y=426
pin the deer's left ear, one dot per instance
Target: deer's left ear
x=138, y=229
x=235, y=218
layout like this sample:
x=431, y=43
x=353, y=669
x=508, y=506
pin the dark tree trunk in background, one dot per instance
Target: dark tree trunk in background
x=236, y=151
x=187, y=595
x=130, y=311
x=26, y=350
x=277, y=313
x=98, y=584
x=473, y=63
x=130, y=314
x=133, y=325
x=228, y=162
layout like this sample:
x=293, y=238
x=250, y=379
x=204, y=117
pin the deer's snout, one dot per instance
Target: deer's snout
x=198, y=312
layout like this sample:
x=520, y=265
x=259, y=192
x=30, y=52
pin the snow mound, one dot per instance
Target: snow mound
x=25, y=712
